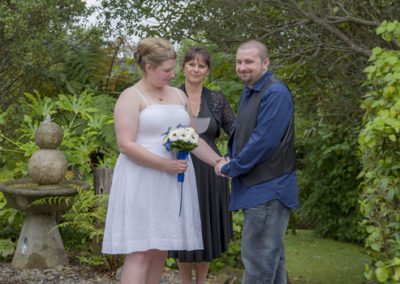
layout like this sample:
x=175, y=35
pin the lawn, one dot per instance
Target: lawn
x=312, y=260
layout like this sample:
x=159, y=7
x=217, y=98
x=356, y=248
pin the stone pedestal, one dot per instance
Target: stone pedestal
x=39, y=244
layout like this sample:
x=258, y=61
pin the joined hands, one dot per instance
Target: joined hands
x=218, y=166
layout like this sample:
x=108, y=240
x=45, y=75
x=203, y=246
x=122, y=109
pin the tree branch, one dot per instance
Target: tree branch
x=321, y=22
x=351, y=19
x=283, y=28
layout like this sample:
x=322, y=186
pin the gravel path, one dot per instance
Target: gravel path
x=72, y=274
x=68, y=274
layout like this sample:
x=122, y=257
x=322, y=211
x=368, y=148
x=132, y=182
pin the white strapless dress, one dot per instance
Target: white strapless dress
x=143, y=208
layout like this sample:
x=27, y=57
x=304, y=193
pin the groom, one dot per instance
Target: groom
x=261, y=163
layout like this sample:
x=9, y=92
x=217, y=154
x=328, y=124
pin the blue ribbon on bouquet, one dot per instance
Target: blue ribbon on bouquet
x=181, y=155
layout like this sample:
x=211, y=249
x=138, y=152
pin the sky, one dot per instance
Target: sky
x=92, y=19
x=92, y=2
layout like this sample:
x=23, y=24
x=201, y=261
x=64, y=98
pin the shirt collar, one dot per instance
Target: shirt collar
x=259, y=84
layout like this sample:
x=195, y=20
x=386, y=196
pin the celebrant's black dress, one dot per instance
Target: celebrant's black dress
x=213, y=191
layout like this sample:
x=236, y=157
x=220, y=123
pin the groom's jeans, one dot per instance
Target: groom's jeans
x=263, y=253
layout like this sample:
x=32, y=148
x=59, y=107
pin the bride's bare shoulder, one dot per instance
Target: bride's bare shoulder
x=174, y=89
x=129, y=94
x=129, y=98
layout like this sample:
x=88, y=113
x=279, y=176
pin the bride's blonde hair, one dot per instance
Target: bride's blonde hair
x=153, y=51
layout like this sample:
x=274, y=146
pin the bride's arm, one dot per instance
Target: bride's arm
x=205, y=153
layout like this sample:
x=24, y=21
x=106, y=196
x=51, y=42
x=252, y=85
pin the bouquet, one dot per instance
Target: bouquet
x=183, y=139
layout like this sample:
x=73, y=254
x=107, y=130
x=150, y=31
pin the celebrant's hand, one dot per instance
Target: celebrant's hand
x=176, y=166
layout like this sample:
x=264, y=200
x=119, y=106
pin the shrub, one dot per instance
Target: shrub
x=380, y=158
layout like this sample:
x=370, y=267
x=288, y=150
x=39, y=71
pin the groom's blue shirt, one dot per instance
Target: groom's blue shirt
x=276, y=108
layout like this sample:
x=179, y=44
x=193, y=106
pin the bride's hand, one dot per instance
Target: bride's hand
x=176, y=166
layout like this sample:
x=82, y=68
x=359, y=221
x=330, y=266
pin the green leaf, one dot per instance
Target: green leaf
x=380, y=30
x=382, y=274
x=395, y=261
x=393, y=60
x=396, y=276
x=6, y=247
x=390, y=27
x=376, y=246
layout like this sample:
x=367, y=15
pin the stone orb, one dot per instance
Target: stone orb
x=47, y=166
x=48, y=135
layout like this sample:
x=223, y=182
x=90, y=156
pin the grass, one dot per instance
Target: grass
x=312, y=260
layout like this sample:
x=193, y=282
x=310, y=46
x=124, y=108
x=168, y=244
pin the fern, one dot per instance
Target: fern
x=86, y=217
x=86, y=67
x=93, y=260
x=53, y=200
x=105, y=104
x=82, y=228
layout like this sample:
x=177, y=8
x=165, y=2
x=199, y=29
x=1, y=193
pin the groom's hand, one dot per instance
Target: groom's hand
x=218, y=166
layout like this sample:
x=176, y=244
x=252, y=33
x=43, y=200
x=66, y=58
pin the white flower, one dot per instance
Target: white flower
x=181, y=132
x=189, y=131
x=185, y=136
x=194, y=138
x=174, y=134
